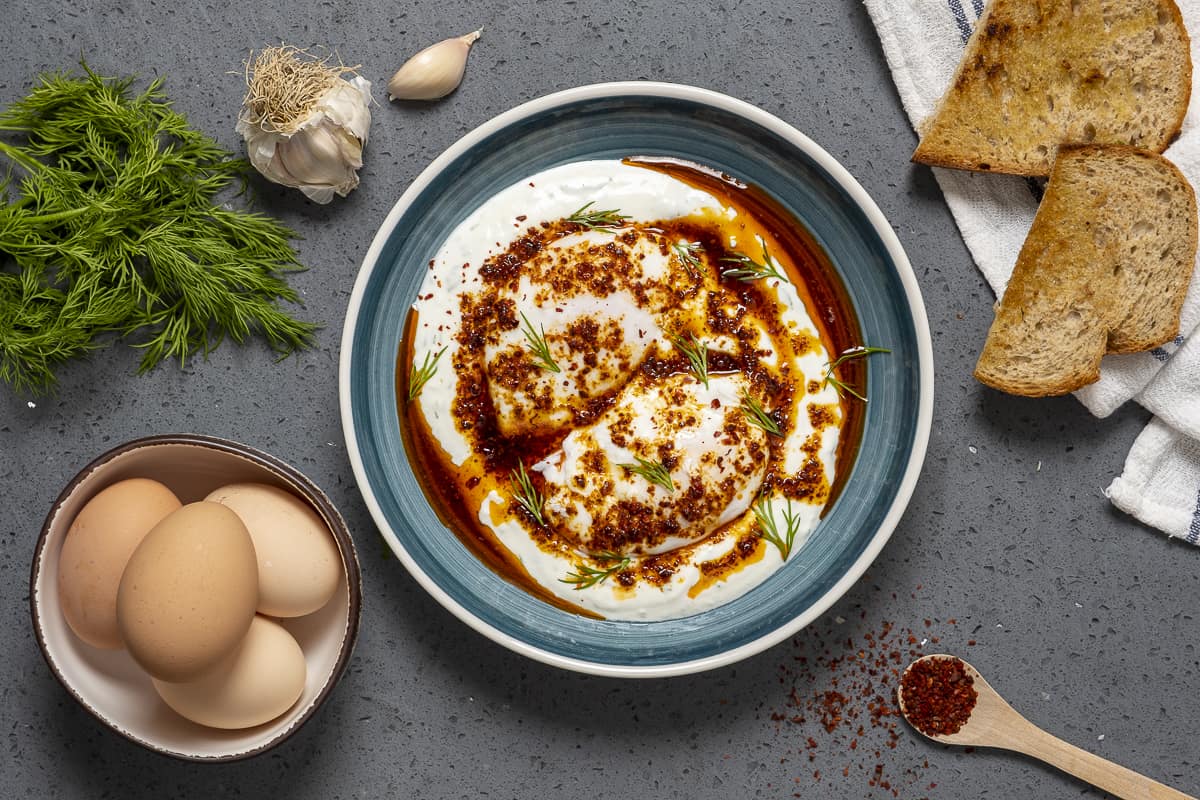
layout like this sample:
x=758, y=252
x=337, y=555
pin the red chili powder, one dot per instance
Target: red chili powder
x=938, y=695
x=840, y=710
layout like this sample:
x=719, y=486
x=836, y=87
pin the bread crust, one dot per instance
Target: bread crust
x=1089, y=279
x=1024, y=389
x=982, y=73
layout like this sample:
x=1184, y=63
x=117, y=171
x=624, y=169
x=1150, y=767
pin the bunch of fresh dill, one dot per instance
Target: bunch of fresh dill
x=114, y=229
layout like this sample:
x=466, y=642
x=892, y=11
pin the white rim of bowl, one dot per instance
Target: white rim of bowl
x=883, y=230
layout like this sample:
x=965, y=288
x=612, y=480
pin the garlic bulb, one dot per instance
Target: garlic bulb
x=434, y=72
x=304, y=125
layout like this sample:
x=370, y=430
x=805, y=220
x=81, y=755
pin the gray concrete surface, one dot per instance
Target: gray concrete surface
x=1085, y=620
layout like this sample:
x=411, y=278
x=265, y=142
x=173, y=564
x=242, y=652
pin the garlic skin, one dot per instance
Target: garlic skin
x=322, y=155
x=434, y=72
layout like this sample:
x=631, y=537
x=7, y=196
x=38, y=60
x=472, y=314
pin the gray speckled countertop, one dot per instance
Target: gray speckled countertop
x=1086, y=621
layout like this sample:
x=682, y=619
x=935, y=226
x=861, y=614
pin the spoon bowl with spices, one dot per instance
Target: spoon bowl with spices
x=947, y=700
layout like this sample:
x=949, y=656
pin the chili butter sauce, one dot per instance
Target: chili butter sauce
x=454, y=492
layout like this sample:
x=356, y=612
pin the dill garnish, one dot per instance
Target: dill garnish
x=537, y=343
x=696, y=354
x=114, y=229
x=421, y=375
x=757, y=415
x=686, y=252
x=586, y=576
x=751, y=270
x=597, y=220
x=768, y=528
x=654, y=471
x=855, y=352
x=526, y=494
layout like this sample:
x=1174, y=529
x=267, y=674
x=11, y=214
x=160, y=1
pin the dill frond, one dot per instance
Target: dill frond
x=750, y=270
x=758, y=416
x=538, y=345
x=421, y=375
x=114, y=231
x=526, y=494
x=767, y=527
x=687, y=252
x=654, y=471
x=830, y=379
x=586, y=576
x=597, y=220
x=696, y=353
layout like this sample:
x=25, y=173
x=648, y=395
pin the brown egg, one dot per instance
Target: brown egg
x=258, y=681
x=298, y=562
x=97, y=547
x=189, y=592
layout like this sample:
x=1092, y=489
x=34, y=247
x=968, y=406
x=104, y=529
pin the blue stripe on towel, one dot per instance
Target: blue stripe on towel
x=1193, y=534
x=1162, y=354
x=960, y=17
x=978, y=6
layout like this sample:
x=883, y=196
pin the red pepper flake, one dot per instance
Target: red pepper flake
x=841, y=712
x=938, y=695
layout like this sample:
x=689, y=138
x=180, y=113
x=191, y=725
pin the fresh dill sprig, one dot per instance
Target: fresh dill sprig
x=421, y=375
x=597, y=220
x=768, y=528
x=696, y=354
x=855, y=352
x=751, y=270
x=526, y=494
x=757, y=415
x=687, y=254
x=586, y=576
x=537, y=344
x=115, y=229
x=654, y=471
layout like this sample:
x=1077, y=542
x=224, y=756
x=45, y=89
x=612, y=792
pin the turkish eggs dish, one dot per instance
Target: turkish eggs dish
x=620, y=386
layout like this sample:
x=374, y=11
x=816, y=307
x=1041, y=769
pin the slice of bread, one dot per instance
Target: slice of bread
x=1104, y=270
x=1040, y=73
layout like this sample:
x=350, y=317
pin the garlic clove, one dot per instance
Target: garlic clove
x=313, y=156
x=347, y=105
x=434, y=72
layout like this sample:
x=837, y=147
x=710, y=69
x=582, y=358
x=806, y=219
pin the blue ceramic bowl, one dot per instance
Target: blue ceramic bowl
x=611, y=121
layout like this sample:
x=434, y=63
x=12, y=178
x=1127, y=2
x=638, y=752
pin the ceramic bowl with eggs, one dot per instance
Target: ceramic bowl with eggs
x=636, y=379
x=197, y=596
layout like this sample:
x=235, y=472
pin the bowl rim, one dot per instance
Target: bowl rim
x=838, y=174
x=314, y=493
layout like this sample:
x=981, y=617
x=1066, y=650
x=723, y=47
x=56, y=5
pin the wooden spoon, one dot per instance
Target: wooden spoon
x=993, y=723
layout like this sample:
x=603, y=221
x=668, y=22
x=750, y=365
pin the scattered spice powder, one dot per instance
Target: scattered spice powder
x=939, y=695
x=842, y=701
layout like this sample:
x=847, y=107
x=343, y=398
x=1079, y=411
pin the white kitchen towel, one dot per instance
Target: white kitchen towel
x=923, y=42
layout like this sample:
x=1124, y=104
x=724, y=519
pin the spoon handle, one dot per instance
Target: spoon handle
x=1100, y=772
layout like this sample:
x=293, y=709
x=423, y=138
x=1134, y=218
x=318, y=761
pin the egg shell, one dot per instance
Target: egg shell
x=256, y=683
x=188, y=594
x=96, y=549
x=298, y=563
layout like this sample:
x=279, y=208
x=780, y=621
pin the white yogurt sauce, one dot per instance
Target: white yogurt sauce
x=643, y=195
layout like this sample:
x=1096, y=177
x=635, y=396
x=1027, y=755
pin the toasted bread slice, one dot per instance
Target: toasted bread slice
x=1104, y=270
x=1040, y=73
